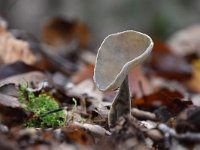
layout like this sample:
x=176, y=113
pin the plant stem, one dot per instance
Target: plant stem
x=121, y=104
x=51, y=112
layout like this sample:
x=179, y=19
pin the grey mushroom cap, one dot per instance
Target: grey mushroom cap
x=117, y=55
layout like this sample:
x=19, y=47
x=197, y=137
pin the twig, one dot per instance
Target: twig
x=143, y=115
x=154, y=134
x=52, y=111
x=188, y=136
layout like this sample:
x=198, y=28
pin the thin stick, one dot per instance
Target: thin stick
x=143, y=115
x=51, y=112
x=188, y=136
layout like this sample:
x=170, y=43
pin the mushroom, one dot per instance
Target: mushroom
x=117, y=55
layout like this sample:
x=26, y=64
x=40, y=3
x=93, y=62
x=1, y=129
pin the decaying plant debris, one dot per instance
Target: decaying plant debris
x=164, y=93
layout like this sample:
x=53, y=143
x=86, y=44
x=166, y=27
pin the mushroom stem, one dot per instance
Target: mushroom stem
x=121, y=104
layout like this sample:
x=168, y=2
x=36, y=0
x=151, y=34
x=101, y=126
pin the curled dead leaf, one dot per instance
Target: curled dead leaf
x=32, y=78
x=12, y=112
x=86, y=72
x=59, y=31
x=12, y=49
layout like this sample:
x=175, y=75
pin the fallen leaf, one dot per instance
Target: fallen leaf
x=87, y=90
x=185, y=41
x=12, y=49
x=138, y=82
x=9, y=89
x=19, y=67
x=86, y=72
x=32, y=78
x=163, y=97
x=12, y=112
x=9, y=101
x=188, y=120
x=168, y=65
x=127, y=134
x=60, y=31
x=194, y=83
x=76, y=134
x=56, y=62
x=7, y=144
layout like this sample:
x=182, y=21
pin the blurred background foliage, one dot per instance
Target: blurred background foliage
x=157, y=18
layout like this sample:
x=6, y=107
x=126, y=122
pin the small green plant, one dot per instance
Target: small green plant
x=40, y=105
x=71, y=116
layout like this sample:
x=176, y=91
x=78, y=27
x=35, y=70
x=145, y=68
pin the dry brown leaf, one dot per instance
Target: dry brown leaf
x=7, y=144
x=194, y=83
x=12, y=112
x=138, y=82
x=12, y=49
x=58, y=32
x=168, y=65
x=19, y=67
x=76, y=134
x=86, y=72
x=186, y=41
x=86, y=89
x=188, y=120
x=32, y=78
x=9, y=101
x=127, y=135
x=166, y=97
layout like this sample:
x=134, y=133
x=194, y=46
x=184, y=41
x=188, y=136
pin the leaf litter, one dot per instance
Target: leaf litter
x=164, y=93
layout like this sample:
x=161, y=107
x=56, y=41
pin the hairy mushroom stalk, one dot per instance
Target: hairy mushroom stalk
x=117, y=55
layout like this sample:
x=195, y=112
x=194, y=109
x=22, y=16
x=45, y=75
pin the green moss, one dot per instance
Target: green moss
x=40, y=105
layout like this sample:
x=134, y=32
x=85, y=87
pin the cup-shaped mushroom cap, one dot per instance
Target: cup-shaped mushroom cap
x=117, y=55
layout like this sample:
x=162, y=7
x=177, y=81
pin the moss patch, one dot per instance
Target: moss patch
x=40, y=105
